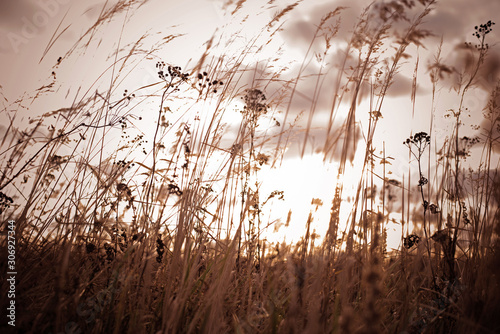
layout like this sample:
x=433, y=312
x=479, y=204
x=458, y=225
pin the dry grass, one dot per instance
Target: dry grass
x=165, y=233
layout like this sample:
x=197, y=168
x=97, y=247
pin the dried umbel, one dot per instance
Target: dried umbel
x=172, y=71
x=417, y=145
x=483, y=29
x=480, y=33
x=420, y=139
x=255, y=105
x=210, y=84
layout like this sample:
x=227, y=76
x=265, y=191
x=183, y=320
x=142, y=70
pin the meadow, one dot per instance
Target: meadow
x=142, y=210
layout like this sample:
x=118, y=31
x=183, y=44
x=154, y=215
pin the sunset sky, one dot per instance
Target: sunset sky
x=35, y=33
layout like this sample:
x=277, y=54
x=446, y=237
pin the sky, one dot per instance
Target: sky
x=34, y=34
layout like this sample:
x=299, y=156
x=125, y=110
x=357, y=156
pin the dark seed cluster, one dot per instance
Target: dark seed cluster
x=411, y=240
x=173, y=188
x=160, y=249
x=210, y=84
x=127, y=95
x=254, y=100
x=123, y=123
x=422, y=181
x=483, y=29
x=90, y=248
x=5, y=202
x=172, y=71
x=124, y=164
x=465, y=215
x=418, y=138
x=123, y=189
x=434, y=209
x=417, y=145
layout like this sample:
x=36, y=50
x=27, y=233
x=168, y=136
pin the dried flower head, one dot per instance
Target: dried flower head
x=411, y=240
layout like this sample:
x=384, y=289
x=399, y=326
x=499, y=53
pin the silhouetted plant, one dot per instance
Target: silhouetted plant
x=417, y=145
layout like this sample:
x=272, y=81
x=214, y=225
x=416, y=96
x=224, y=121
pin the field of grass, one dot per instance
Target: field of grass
x=141, y=210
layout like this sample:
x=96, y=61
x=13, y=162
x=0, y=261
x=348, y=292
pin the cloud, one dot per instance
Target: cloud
x=463, y=60
x=300, y=29
x=310, y=94
x=455, y=19
x=11, y=12
x=315, y=95
x=23, y=21
x=401, y=86
x=490, y=125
